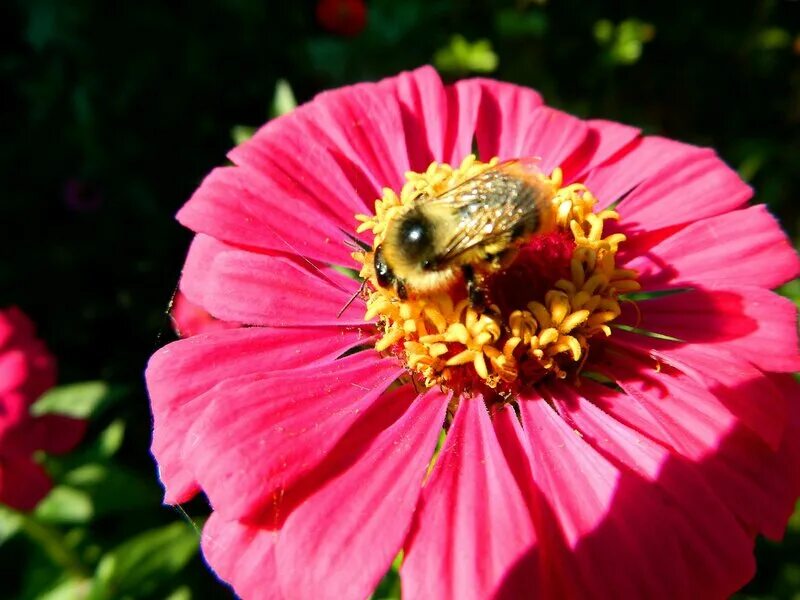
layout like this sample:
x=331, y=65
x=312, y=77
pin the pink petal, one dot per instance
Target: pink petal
x=789, y=452
x=557, y=521
x=678, y=413
x=203, y=250
x=614, y=140
x=362, y=127
x=697, y=547
x=538, y=131
x=472, y=524
x=23, y=483
x=505, y=114
x=463, y=104
x=692, y=187
x=752, y=322
x=14, y=369
x=741, y=247
x=601, y=141
x=244, y=556
x=298, y=161
x=15, y=327
x=200, y=362
x=56, y=434
x=355, y=525
x=353, y=134
x=553, y=135
x=729, y=378
x=259, y=289
x=240, y=206
x=605, y=532
x=648, y=156
x=14, y=409
x=259, y=434
x=189, y=319
x=671, y=407
x=580, y=505
x=423, y=106
x=27, y=370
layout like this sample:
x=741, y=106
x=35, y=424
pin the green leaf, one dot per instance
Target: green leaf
x=112, y=488
x=773, y=38
x=241, y=133
x=68, y=589
x=183, y=592
x=603, y=31
x=283, y=101
x=462, y=56
x=389, y=587
x=791, y=290
x=110, y=439
x=623, y=42
x=100, y=449
x=65, y=504
x=347, y=272
x=10, y=523
x=794, y=521
x=511, y=23
x=146, y=562
x=80, y=400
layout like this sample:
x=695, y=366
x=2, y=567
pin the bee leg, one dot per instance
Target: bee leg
x=503, y=259
x=400, y=289
x=477, y=298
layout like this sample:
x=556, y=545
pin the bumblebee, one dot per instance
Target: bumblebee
x=465, y=233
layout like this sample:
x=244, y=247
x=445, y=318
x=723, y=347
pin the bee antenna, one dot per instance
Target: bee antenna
x=352, y=298
x=361, y=244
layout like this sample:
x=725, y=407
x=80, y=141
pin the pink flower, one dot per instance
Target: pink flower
x=595, y=447
x=343, y=17
x=26, y=371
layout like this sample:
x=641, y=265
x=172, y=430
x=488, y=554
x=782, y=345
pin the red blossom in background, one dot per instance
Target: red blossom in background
x=652, y=480
x=27, y=370
x=343, y=17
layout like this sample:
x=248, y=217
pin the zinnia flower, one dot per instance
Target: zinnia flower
x=27, y=370
x=617, y=422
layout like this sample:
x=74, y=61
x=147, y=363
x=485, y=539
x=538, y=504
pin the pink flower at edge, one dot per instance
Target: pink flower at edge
x=189, y=319
x=27, y=370
x=654, y=486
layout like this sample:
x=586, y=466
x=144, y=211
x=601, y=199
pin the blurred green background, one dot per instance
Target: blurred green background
x=112, y=113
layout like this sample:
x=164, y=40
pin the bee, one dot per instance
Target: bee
x=465, y=233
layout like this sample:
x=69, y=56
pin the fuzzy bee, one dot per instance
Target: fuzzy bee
x=466, y=233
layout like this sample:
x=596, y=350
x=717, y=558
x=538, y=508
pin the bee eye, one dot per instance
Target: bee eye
x=415, y=236
x=383, y=273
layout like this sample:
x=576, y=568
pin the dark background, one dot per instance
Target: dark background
x=112, y=113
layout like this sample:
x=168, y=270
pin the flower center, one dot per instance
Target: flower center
x=538, y=305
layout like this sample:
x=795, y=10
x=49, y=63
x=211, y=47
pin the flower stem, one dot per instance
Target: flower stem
x=52, y=542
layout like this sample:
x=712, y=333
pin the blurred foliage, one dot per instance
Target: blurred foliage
x=112, y=113
x=460, y=57
x=623, y=44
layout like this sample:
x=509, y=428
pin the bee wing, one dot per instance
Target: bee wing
x=484, y=228
x=485, y=206
x=462, y=193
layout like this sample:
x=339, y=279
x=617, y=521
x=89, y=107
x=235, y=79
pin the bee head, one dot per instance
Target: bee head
x=385, y=276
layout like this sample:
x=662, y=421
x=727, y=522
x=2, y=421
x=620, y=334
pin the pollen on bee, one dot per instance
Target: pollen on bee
x=444, y=340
